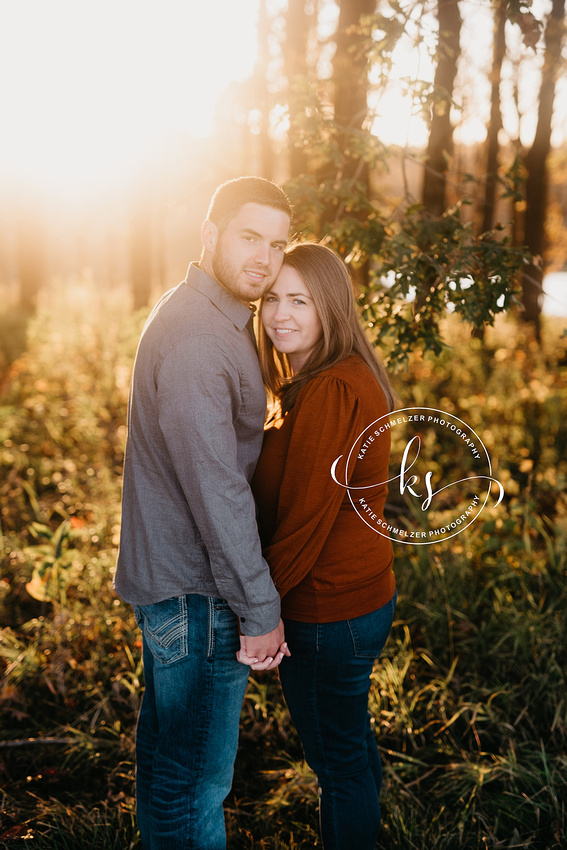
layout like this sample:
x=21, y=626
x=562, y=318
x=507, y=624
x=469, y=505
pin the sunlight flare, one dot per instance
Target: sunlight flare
x=95, y=89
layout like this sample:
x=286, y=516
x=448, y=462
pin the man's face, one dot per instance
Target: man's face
x=249, y=252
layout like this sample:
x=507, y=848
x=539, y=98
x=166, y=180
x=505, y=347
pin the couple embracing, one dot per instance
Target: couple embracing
x=238, y=550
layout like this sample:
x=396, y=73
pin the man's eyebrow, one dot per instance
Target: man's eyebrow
x=259, y=235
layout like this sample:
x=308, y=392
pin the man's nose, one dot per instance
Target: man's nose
x=262, y=253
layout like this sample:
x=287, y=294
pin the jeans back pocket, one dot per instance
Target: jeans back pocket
x=165, y=628
x=370, y=632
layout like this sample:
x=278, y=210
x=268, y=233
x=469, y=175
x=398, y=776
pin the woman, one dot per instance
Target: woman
x=333, y=571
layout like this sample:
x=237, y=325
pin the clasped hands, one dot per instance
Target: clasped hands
x=264, y=652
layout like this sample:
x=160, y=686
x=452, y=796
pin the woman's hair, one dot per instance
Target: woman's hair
x=329, y=284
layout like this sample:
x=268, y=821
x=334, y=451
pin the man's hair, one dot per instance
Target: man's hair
x=232, y=195
x=327, y=278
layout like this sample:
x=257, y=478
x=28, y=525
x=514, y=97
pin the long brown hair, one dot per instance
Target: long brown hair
x=329, y=284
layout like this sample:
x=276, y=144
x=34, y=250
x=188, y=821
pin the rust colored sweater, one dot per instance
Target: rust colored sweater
x=326, y=562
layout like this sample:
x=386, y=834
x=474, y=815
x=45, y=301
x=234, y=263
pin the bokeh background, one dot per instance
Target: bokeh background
x=119, y=119
x=426, y=141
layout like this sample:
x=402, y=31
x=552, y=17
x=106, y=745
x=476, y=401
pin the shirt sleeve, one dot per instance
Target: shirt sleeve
x=200, y=399
x=326, y=424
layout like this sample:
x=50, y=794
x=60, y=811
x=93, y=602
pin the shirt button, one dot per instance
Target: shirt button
x=243, y=619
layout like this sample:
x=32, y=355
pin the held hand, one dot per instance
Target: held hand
x=268, y=663
x=263, y=652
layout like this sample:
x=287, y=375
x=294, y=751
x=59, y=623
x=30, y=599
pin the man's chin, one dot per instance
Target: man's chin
x=253, y=292
x=241, y=287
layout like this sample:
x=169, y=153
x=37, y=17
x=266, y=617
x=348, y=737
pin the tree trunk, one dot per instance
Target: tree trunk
x=536, y=167
x=495, y=123
x=263, y=94
x=440, y=145
x=297, y=32
x=350, y=80
x=141, y=256
x=31, y=260
x=350, y=85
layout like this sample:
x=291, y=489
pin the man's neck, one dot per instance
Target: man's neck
x=206, y=265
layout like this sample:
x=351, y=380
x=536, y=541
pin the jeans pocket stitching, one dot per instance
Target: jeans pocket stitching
x=210, y=627
x=170, y=635
x=184, y=622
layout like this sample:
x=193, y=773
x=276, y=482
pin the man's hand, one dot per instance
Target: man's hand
x=264, y=652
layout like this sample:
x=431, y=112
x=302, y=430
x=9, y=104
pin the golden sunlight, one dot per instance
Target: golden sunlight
x=94, y=88
x=94, y=92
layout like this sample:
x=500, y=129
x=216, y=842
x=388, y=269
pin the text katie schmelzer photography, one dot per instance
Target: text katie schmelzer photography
x=450, y=482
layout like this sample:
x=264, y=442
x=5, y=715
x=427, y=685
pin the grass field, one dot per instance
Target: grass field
x=469, y=699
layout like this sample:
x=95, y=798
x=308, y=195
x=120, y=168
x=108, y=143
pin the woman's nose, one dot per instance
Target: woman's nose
x=282, y=311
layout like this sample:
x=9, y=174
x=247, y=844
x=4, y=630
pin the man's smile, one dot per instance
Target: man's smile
x=256, y=276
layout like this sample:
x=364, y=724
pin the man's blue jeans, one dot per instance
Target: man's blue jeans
x=326, y=683
x=187, y=731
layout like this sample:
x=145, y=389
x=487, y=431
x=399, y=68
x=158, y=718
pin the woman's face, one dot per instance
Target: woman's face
x=290, y=318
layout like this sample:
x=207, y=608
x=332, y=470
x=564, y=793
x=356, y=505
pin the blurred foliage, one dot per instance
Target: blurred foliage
x=415, y=266
x=468, y=699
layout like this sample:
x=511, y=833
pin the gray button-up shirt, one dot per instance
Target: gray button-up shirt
x=195, y=425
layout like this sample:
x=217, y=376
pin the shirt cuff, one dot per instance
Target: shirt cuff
x=261, y=621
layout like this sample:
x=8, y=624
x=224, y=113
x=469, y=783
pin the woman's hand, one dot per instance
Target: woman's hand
x=268, y=663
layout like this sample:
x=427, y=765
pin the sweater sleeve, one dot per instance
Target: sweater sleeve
x=326, y=424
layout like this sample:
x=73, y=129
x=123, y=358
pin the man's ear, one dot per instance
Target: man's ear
x=209, y=235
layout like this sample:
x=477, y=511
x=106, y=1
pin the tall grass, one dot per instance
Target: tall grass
x=469, y=699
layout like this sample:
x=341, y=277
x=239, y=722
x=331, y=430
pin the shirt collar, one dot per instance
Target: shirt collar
x=235, y=310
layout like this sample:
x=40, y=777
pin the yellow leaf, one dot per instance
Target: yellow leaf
x=37, y=589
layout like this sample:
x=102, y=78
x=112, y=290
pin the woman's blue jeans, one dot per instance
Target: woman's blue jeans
x=187, y=731
x=326, y=683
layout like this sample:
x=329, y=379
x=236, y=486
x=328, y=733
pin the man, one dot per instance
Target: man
x=190, y=559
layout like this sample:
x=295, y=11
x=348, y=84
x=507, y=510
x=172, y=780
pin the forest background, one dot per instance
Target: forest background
x=427, y=142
